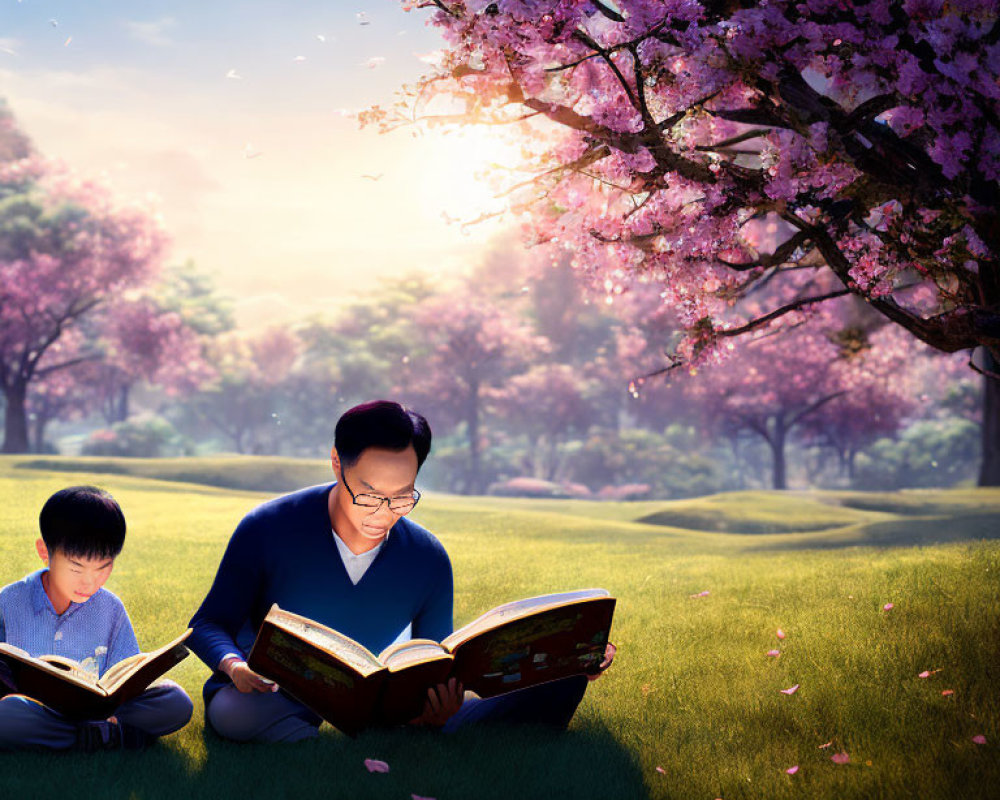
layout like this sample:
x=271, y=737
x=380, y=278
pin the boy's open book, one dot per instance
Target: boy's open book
x=513, y=646
x=63, y=685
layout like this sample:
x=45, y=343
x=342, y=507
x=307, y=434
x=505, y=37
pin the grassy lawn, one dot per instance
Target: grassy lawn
x=693, y=707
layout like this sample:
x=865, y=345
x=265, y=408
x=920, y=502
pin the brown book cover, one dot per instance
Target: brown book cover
x=62, y=685
x=510, y=647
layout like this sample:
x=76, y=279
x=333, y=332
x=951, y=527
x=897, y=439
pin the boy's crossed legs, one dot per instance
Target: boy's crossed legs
x=26, y=724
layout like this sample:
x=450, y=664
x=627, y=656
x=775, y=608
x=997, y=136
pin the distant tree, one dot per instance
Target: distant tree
x=244, y=400
x=67, y=254
x=547, y=403
x=464, y=346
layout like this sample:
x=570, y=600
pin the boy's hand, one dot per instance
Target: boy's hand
x=442, y=703
x=244, y=678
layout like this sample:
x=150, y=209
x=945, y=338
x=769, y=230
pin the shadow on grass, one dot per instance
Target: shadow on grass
x=918, y=531
x=496, y=762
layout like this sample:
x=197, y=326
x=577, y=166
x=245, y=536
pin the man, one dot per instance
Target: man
x=345, y=555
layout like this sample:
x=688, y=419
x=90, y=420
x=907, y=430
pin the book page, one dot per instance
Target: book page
x=327, y=639
x=416, y=651
x=70, y=666
x=519, y=608
x=166, y=657
x=126, y=665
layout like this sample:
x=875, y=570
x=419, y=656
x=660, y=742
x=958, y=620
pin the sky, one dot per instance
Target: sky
x=236, y=118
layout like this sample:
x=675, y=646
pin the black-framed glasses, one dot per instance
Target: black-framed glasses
x=397, y=505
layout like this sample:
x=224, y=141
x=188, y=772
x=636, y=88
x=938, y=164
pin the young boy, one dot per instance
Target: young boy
x=64, y=610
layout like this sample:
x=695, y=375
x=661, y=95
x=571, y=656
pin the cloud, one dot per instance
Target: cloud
x=9, y=46
x=153, y=33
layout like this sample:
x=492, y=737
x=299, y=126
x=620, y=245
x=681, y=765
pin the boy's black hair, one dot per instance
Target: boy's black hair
x=381, y=423
x=83, y=521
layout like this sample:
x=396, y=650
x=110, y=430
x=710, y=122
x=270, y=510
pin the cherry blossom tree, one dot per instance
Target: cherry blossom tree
x=464, y=346
x=547, y=404
x=661, y=134
x=68, y=252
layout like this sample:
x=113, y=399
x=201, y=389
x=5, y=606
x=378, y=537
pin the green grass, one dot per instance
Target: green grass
x=692, y=690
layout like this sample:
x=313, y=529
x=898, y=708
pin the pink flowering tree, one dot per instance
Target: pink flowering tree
x=68, y=252
x=547, y=404
x=664, y=132
x=464, y=348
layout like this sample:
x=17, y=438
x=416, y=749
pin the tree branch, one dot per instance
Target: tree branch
x=779, y=312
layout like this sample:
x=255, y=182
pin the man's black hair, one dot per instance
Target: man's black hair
x=384, y=424
x=83, y=521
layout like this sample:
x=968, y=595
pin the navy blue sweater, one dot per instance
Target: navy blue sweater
x=283, y=552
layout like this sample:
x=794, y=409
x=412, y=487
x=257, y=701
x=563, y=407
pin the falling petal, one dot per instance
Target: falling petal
x=234, y=75
x=781, y=634
x=702, y=594
x=888, y=607
x=374, y=765
x=792, y=770
x=840, y=758
x=790, y=689
x=68, y=40
x=948, y=692
x=420, y=797
x=824, y=746
x=661, y=770
x=321, y=38
x=298, y=59
x=374, y=62
x=979, y=739
x=925, y=674
x=774, y=653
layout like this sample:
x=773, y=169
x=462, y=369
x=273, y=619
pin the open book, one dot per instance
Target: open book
x=510, y=647
x=63, y=685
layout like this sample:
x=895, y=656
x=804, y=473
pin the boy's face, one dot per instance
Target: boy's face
x=73, y=579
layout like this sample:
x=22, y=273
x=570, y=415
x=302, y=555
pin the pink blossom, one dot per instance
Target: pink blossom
x=888, y=607
x=979, y=739
x=790, y=689
x=840, y=758
x=774, y=652
x=374, y=765
x=792, y=770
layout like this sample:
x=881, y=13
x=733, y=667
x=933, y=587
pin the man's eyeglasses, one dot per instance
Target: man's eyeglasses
x=397, y=505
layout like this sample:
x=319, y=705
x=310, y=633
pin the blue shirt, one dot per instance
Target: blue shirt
x=283, y=552
x=96, y=632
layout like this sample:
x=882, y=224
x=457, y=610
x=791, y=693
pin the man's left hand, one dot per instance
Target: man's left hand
x=609, y=657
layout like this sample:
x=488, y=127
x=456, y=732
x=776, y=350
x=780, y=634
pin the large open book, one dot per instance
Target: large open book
x=510, y=647
x=63, y=685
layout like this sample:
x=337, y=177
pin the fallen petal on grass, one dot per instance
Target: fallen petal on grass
x=702, y=594
x=774, y=652
x=947, y=692
x=840, y=758
x=792, y=770
x=824, y=746
x=781, y=634
x=374, y=765
x=924, y=674
x=979, y=739
x=661, y=770
x=888, y=607
x=790, y=689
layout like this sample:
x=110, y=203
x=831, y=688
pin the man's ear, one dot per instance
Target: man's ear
x=43, y=551
x=335, y=461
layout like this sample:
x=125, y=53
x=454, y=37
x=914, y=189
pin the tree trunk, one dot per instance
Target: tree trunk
x=777, y=442
x=38, y=426
x=15, y=439
x=472, y=420
x=989, y=468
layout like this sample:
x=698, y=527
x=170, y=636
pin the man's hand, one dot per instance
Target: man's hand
x=443, y=701
x=609, y=656
x=244, y=678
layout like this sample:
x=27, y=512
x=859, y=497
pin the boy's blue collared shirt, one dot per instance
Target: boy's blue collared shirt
x=97, y=633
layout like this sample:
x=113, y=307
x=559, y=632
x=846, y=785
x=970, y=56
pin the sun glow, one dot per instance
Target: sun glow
x=464, y=169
